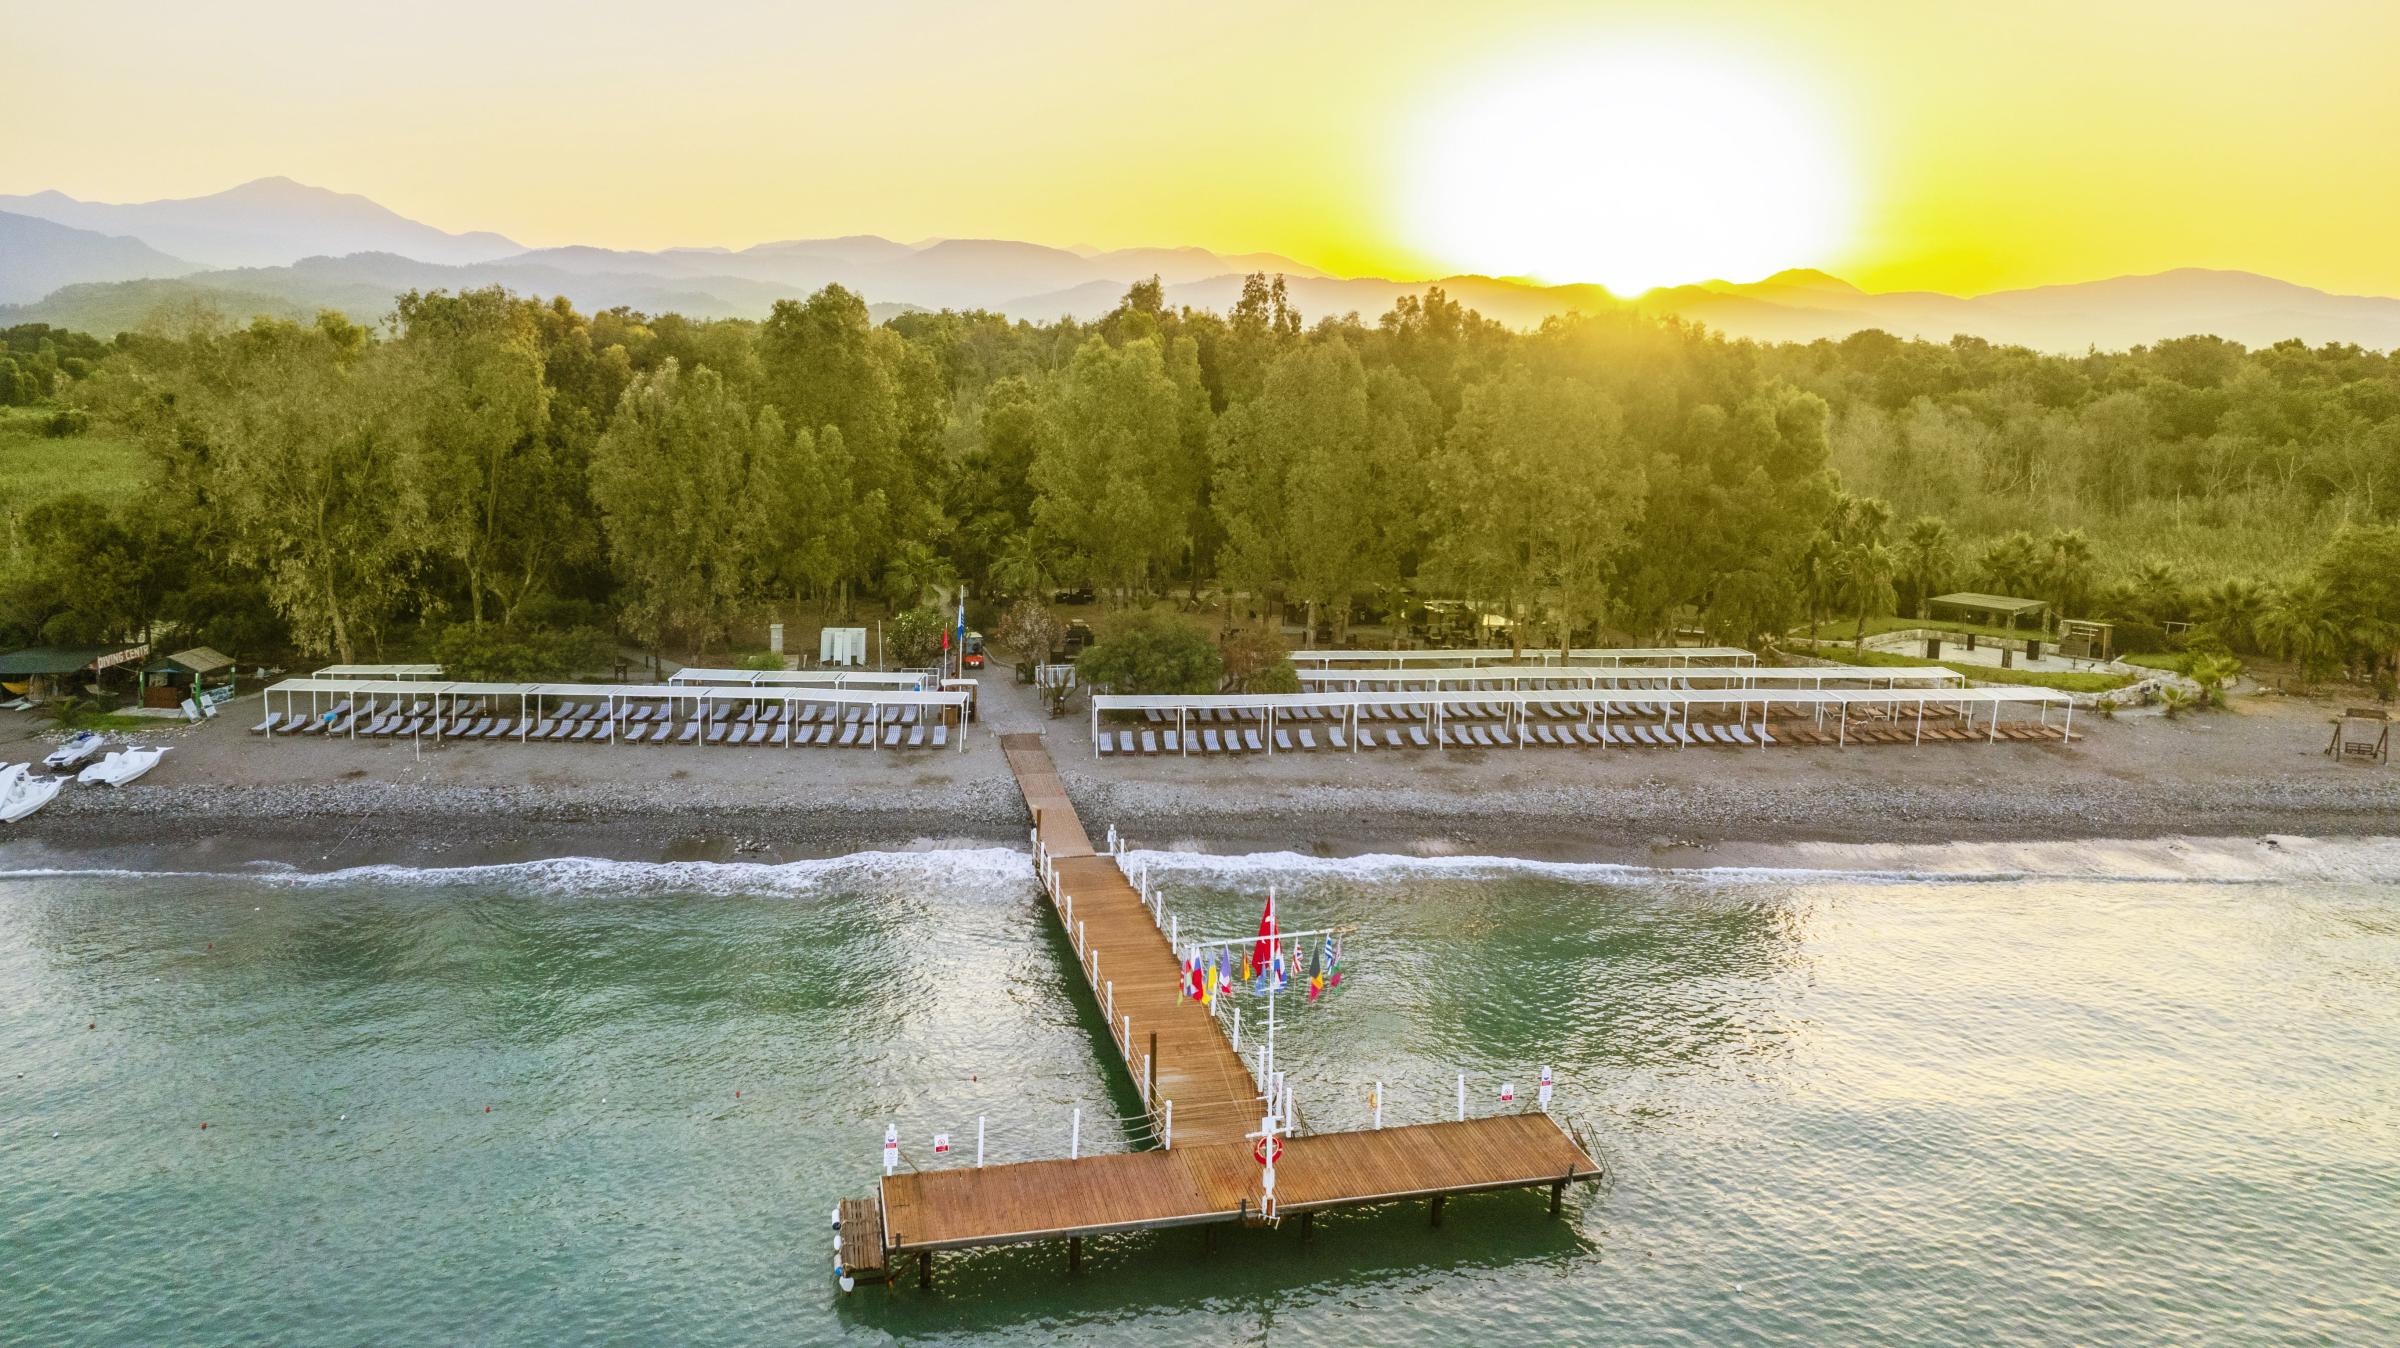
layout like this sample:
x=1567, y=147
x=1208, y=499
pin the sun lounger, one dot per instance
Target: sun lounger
x=1208, y=739
x=1333, y=736
x=850, y=734
x=1283, y=739
x=1251, y=741
x=892, y=734
x=941, y=736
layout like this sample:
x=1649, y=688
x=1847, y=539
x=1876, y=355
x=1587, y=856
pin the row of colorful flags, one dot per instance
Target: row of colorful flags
x=1269, y=965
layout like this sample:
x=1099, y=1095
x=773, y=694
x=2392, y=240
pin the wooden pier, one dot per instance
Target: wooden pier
x=1201, y=1099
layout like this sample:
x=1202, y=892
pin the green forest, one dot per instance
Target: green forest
x=492, y=473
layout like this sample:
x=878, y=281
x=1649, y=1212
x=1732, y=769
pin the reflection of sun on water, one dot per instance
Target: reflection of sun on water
x=1632, y=166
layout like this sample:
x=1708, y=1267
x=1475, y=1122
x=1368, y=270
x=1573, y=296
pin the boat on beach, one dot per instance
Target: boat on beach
x=78, y=747
x=26, y=793
x=121, y=767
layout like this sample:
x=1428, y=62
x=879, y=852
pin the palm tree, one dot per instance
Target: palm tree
x=2009, y=563
x=1927, y=558
x=2231, y=608
x=1022, y=566
x=2299, y=625
x=915, y=570
x=1866, y=573
x=2158, y=591
x=2066, y=570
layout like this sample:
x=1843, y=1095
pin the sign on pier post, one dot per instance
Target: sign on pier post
x=891, y=1148
x=1542, y=1093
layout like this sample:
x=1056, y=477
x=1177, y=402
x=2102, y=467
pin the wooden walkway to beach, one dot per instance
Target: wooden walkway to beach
x=1202, y=1102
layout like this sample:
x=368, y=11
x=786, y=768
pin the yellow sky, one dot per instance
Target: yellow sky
x=1987, y=145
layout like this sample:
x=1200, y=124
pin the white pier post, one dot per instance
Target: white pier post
x=979, y=1142
x=1378, y=1105
x=1108, y=996
x=891, y=1148
x=1144, y=1080
x=1129, y=1036
x=1075, y=1135
x=1078, y=938
x=1462, y=1096
x=1168, y=1138
x=1174, y=929
x=1237, y=1029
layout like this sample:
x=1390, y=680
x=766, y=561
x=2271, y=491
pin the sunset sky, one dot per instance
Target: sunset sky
x=1921, y=145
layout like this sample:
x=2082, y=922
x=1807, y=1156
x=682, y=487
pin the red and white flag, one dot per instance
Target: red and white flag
x=1262, y=953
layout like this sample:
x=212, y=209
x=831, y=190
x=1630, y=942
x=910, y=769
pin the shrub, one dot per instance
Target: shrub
x=1256, y=662
x=66, y=422
x=913, y=638
x=1029, y=629
x=762, y=660
x=2140, y=636
x=1153, y=653
x=493, y=654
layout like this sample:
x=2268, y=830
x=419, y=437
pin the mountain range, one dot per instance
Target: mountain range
x=279, y=247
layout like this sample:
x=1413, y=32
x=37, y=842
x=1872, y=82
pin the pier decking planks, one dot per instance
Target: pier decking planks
x=863, y=1239
x=1210, y=1173
x=1050, y=1200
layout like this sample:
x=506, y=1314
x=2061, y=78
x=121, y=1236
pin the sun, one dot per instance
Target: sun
x=1632, y=165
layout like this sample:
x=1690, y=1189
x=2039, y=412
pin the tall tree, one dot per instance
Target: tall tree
x=1111, y=480
x=679, y=478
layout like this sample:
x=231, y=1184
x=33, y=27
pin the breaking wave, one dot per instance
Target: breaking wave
x=601, y=877
x=2271, y=859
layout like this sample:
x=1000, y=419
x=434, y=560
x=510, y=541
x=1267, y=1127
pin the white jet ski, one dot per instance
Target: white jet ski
x=80, y=746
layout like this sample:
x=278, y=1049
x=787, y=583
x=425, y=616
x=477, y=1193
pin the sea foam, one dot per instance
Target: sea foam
x=2272, y=859
x=601, y=877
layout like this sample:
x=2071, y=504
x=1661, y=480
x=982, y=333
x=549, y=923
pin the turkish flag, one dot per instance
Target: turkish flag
x=1264, y=950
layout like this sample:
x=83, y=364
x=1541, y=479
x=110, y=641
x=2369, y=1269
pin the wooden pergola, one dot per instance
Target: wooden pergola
x=1994, y=608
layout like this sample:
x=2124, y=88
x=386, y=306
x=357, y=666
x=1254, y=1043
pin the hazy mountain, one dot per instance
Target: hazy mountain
x=38, y=256
x=266, y=223
x=295, y=249
x=2112, y=314
x=363, y=285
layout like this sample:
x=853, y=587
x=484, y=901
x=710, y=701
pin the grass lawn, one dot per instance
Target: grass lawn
x=109, y=720
x=35, y=468
x=2070, y=682
x=1843, y=629
x=2173, y=662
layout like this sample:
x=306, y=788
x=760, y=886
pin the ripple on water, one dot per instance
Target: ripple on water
x=1887, y=1110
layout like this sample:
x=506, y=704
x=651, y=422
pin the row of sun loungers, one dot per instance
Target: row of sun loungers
x=1210, y=740
x=1630, y=735
x=806, y=724
x=1382, y=712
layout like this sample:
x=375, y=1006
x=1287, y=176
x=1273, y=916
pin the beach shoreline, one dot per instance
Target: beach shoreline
x=223, y=797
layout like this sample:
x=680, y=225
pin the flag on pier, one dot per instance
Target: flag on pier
x=1324, y=967
x=1263, y=949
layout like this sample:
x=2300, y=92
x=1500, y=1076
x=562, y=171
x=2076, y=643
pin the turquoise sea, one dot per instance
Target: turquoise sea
x=597, y=1102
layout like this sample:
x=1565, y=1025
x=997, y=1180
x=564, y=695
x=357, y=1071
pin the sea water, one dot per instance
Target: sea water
x=589, y=1102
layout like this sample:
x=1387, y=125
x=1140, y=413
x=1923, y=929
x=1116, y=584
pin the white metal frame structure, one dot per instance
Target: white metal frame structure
x=1598, y=655
x=802, y=678
x=1595, y=676
x=702, y=698
x=1662, y=707
x=419, y=672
